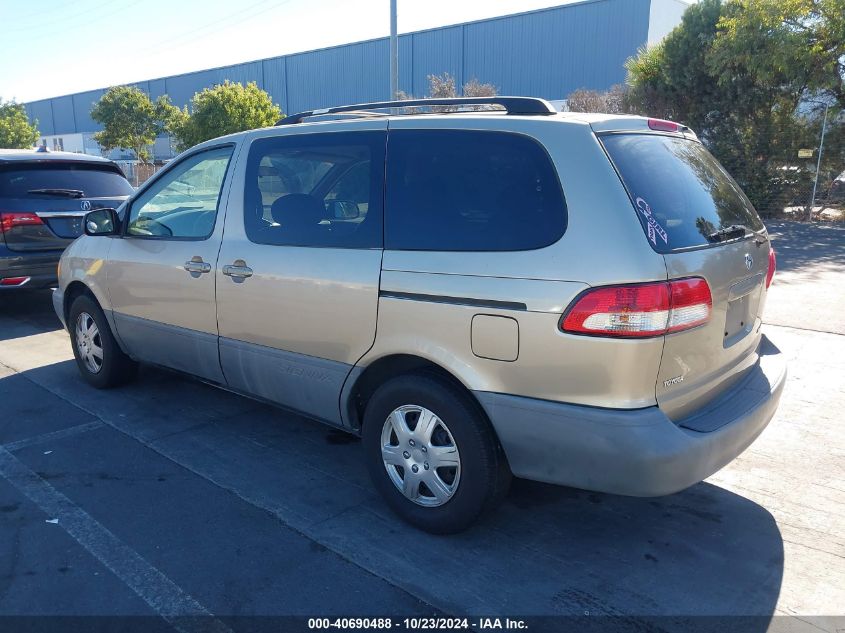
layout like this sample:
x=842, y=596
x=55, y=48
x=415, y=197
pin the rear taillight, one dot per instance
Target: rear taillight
x=773, y=264
x=640, y=310
x=691, y=304
x=12, y=219
x=13, y=281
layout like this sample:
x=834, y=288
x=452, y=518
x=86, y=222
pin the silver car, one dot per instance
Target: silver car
x=569, y=298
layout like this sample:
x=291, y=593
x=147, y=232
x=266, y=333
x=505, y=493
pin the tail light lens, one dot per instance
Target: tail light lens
x=12, y=219
x=640, y=310
x=773, y=264
x=13, y=281
x=691, y=304
x=661, y=125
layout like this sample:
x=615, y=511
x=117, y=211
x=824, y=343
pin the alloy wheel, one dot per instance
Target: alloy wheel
x=89, y=343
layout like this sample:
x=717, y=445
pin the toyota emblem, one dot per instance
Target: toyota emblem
x=749, y=261
x=86, y=206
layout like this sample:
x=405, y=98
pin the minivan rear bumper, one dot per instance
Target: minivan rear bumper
x=639, y=452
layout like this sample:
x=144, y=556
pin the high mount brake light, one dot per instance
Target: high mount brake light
x=773, y=264
x=661, y=125
x=11, y=219
x=640, y=310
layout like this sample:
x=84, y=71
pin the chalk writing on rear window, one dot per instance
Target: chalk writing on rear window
x=653, y=226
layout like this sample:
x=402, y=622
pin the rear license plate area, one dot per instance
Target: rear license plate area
x=66, y=227
x=743, y=307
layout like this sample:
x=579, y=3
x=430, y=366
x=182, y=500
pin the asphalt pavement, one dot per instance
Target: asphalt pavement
x=170, y=498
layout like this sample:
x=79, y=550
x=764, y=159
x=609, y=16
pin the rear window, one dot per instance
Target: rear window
x=95, y=181
x=681, y=192
x=463, y=190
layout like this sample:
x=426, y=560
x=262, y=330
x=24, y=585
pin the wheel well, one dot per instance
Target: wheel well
x=75, y=289
x=388, y=367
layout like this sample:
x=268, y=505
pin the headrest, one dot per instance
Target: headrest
x=297, y=210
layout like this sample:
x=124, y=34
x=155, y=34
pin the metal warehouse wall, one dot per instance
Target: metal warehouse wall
x=547, y=53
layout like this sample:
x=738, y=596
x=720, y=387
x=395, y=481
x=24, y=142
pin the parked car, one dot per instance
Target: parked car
x=569, y=298
x=43, y=198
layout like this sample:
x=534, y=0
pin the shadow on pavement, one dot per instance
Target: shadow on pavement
x=31, y=307
x=548, y=551
x=703, y=551
x=802, y=246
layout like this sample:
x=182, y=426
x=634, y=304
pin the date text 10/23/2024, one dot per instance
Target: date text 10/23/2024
x=415, y=624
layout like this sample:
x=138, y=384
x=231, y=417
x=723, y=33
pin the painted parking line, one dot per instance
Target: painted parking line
x=45, y=438
x=166, y=598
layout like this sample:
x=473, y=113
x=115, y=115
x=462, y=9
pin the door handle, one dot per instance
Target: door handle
x=196, y=266
x=237, y=270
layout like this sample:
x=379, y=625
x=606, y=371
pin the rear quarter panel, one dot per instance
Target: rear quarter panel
x=603, y=244
x=706, y=361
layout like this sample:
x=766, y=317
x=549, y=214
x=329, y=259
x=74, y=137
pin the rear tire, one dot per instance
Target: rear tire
x=100, y=360
x=426, y=423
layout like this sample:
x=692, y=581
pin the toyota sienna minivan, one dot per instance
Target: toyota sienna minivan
x=569, y=298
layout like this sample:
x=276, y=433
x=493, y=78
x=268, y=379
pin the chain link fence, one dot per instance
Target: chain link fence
x=137, y=173
x=802, y=177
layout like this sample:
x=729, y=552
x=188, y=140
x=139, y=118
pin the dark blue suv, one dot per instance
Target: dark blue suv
x=43, y=198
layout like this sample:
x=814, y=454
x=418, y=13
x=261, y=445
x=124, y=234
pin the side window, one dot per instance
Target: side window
x=182, y=203
x=464, y=190
x=321, y=190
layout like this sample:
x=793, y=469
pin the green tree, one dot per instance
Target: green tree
x=224, y=109
x=131, y=120
x=673, y=80
x=742, y=74
x=16, y=131
x=795, y=45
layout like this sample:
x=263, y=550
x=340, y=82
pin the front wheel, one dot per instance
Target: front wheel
x=431, y=453
x=100, y=360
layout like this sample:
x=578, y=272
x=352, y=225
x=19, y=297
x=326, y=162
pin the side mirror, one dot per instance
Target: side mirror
x=344, y=209
x=101, y=222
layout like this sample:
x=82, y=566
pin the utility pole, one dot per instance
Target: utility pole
x=394, y=53
x=818, y=162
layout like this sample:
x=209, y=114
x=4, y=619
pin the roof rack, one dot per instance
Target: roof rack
x=512, y=105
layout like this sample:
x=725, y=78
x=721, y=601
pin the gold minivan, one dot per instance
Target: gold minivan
x=505, y=290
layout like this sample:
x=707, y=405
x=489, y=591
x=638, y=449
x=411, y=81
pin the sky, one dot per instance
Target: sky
x=57, y=47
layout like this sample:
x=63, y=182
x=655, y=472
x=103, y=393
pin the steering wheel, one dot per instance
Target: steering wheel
x=150, y=227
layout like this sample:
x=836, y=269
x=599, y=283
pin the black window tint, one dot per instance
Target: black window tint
x=461, y=190
x=682, y=194
x=95, y=181
x=322, y=190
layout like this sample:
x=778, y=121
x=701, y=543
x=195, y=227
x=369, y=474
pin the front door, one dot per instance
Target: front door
x=161, y=273
x=298, y=273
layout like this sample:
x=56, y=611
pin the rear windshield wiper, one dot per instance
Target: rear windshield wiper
x=733, y=232
x=66, y=193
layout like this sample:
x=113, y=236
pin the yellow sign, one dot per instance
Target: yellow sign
x=805, y=153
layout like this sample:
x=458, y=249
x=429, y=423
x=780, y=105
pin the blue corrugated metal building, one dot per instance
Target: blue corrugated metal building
x=547, y=53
